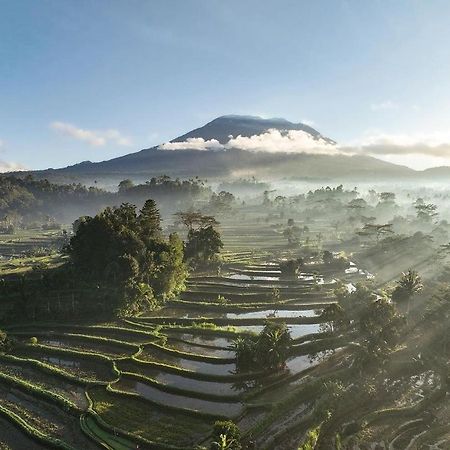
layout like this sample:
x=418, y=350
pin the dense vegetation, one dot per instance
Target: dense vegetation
x=125, y=252
x=313, y=320
x=27, y=201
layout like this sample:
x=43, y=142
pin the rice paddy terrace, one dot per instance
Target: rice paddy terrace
x=161, y=380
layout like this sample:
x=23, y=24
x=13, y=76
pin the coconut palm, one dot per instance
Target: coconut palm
x=409, y=284
x=273, y=345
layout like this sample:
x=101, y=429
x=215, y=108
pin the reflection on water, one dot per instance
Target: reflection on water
x=273, y=313
x=238, y=276
x=191, y=384
x=295, y=330
x=180, y=401
x=192, y=348
x=300, y=363
x=206, y=340
x=188, y=364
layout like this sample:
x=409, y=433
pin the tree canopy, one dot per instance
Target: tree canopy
x=121, y=248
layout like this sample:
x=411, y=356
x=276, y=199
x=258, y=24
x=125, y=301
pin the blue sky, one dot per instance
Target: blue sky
x=91, y=80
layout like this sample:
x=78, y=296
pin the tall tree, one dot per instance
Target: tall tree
x=150, y=219
x=409, y=284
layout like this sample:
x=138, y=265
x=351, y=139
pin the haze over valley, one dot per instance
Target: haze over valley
x=182, y=268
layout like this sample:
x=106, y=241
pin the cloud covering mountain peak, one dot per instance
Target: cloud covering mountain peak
x=273, y=141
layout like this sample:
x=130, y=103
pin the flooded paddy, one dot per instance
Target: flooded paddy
x=188, y=364
x=183, y=382
x=179, y=401
x=52, y=383
x=87, y=368
x=45, y=416
x=296, y=331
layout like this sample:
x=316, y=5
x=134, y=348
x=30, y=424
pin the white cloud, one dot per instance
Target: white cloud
x=96, y=138
x=383, y=106
x=435, y=144
x=276, y=141
x=10, y=166
x=193, y=144
x=273, y=140
x=418, y=150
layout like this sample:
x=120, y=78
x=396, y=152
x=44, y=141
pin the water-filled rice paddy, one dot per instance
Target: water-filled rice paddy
x=164, y=378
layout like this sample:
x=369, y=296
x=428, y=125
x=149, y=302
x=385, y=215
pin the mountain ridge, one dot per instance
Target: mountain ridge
x=235, y=162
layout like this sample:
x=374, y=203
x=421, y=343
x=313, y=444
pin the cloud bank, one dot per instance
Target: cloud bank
x=193, y=144
x=378, y=144
x=95, y=138
x=415, y=150
x=273, y=141
x=276, y=141
x=10, y=166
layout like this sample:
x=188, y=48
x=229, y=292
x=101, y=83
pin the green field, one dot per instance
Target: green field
x=161, y=380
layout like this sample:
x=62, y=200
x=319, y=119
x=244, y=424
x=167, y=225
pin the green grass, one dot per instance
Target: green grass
x=107, y=440
x=143, y=419
x=34, y=433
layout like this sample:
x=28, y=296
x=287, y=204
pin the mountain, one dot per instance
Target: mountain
x=233, y=125
x=225, y=159
x=433, y=173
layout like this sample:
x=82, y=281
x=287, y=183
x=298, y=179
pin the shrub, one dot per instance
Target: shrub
x=226, y=436
x=5, y=342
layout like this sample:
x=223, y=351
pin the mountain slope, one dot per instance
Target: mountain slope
x=231, y=162
x=233, y=125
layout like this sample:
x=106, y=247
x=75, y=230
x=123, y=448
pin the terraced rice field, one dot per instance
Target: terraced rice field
x=160, y=381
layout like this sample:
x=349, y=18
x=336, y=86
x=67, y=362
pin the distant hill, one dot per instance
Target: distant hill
x=437, y=172
x=232, y=162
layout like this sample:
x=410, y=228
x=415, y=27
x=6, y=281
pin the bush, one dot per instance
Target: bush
x=226, y=436
x=267, y=351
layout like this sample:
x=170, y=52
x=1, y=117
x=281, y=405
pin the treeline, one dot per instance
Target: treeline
x=119, y=263
x=25, y=201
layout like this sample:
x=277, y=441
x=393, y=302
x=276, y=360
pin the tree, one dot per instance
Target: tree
x=291, y=267
x=120, y=250
x=150, y=219
x=226, y=436
x=245, y=351
x=266, y=197
x=5, y=342
x=273, y=345
x=203, y=244
x=335, y=318
x=357, y=204
x=409, y=284
x=426, y=212
x=267, y=351
x=292, y=234
x=376, y=230
x=222, y=201
x=327, y=257
x=194, y=220
x=125, y=185
x=380, y=327
x=387, y=197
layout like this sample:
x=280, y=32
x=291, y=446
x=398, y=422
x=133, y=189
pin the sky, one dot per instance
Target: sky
x=92, y=80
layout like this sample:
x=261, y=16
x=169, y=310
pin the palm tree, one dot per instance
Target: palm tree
x=272, y=349
x=244, y=349
x=226, y=436
x=409, y=284
x=224, y=443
